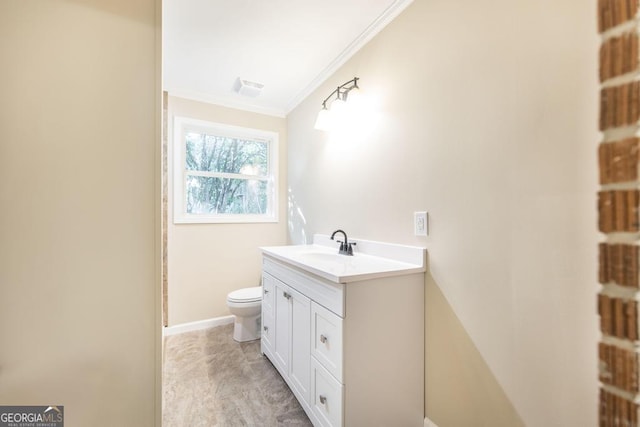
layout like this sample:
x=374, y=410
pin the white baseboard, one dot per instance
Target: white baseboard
x=196, y=326
x=429, y=423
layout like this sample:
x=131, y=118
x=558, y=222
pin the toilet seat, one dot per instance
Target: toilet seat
x=246, y=295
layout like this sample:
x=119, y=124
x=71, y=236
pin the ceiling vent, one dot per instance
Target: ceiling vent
x=247, y=87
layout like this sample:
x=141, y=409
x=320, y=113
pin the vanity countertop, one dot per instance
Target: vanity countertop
x=370, y=260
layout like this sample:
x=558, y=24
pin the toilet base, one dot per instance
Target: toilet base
x=247, y=328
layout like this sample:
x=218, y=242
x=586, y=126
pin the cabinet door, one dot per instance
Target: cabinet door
x=268, y=334
x=268, y=292
x=299, y=369
x=268, y=322
x=283, y=324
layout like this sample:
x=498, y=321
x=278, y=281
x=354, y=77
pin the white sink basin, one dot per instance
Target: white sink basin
x=313, y=257
x=370, y=259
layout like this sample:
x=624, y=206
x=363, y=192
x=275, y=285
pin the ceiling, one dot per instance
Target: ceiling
x=289, y=46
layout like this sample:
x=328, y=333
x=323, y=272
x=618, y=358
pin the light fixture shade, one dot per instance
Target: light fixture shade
x=337, y=107
x=354, y=96
x=323, y=122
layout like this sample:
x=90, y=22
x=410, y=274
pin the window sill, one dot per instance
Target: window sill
x=224, y=219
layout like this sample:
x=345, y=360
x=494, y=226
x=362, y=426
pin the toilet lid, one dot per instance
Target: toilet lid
x=246, y=295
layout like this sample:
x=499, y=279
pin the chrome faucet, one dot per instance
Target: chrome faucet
x=346, y=248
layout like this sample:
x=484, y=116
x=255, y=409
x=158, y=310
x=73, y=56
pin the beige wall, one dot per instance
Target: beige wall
x=481, y=113
x=207, y=261
x=79, y=322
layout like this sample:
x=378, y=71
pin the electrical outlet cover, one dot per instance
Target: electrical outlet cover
x=420, y=223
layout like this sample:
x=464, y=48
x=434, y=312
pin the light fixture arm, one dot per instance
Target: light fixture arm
x=342, y=91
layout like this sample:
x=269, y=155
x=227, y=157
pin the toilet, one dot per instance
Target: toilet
x=246, y=305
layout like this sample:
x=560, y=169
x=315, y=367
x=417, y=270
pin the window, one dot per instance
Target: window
x=224, y=173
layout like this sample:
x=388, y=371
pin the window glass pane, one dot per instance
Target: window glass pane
x=223, y=173
x=211, y=153
x=206, y=195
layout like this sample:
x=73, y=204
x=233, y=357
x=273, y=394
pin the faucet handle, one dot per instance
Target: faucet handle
x=342, y=248
x=350, y=248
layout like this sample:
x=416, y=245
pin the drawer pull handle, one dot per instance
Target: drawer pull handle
x=323, y=339
x=286, y=295
x=323, y=399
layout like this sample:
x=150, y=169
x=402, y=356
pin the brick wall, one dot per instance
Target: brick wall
x=619, y=212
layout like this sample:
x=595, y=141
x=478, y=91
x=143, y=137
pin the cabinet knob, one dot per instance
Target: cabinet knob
x=323, y=399
x=323, y=339
x=286, y=295
x=266, y=328
x=266, y=291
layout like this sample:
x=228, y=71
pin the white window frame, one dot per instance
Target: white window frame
x=182, y=125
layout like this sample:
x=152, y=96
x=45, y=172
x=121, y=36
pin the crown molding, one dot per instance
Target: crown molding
x=208, y=99
x=389, y=14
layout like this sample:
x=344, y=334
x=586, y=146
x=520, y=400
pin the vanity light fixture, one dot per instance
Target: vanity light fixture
x=331, y=112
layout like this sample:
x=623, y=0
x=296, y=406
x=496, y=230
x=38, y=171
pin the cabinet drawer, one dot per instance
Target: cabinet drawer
x=327, y=395
x=326, y=339
x=268, y=292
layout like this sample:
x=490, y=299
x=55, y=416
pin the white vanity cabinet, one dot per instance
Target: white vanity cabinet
x=352, y=353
